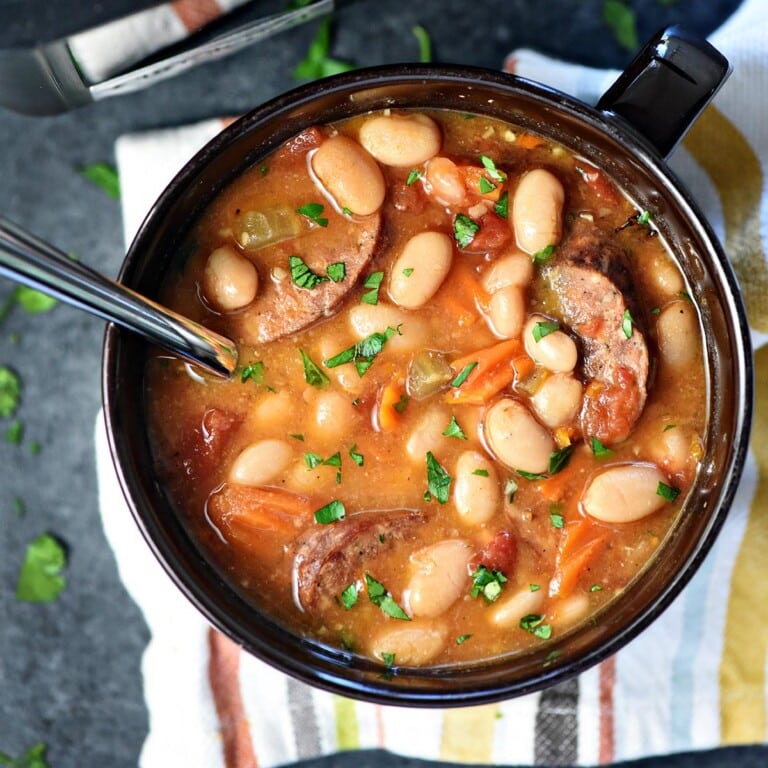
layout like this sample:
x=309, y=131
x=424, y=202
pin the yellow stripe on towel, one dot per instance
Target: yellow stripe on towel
x=468, y=734
x=742, y=668
x=347, y=726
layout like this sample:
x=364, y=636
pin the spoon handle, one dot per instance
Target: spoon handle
x=37, y=264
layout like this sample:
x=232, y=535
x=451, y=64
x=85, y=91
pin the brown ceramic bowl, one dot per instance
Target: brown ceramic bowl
x=631, y=149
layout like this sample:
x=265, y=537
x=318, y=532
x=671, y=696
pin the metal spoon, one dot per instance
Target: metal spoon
x=37, y=264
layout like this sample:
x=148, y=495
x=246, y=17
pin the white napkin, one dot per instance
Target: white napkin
x=695, y=679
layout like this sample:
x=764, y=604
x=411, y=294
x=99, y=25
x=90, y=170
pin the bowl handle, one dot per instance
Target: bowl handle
x=666, y=86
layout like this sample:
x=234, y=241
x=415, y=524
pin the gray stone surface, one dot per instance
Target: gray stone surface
x=70, y=670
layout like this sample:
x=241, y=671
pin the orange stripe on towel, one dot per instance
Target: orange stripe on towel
x=606, y=745
x=195, y=14
x=224, y=679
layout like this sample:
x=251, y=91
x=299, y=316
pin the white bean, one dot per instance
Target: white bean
x=506, y=311
x=558, y=400
x=261, y=463
x=556, y=350
x=677, y=328
x=624, y=493
x=509, y=609
x=537, y=210
x=365, y=319
x=675, y=450
x=427, y=435
x=230, y=280
x=349, y=175
x=444, y=182
x=511, y=269
x=516, y=438
x=402, y=141
x=274, y=410
x=410, y=643
x=569, y=611
x=333, y=415
x=420, y=269
x=440, y=575
x=666, y=276
x=476, y=491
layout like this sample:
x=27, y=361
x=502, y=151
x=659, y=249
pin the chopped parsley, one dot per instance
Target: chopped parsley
x=408, y=271
x=481, y=472
x=557, y=519
x=253, y=372
x=627, y=323
x=302, y=275
x=401, y=404
x=330, y=513
x=349, y=596
x=598, y=449
x=534, y=623
x=463, y=374
x=462, y=639
x=372, y=284
x=425, y=44
x=620, y=18
x=337, y=271
x=544, y=328
x=380, y=597
x=103, y=176
x=438, y=480
x=667, y=492
x=487, y=583
x=313, y=375
x=314, y=211
x=318, y=62
x=32, y=301
x=356, y=456
x=40, y=579
x=388, y=659
x=501, y=208
x=464, y=230
x=534, y=587
x=313, y=460
x=297, y=436
x=644, y=219
x=34, y=757
x=558, y=460
x=413, y=176
x=531, y=475
x=15, y=433
x=544, y=255
x=454, y=430
x=668, y=427
x=10, y=392
x=490, y=167
x=595, y=588
x=364, y=352
x=485, y=186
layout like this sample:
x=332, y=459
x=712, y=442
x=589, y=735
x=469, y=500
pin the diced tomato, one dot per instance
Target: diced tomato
x=602, y=186
x=204, y=443
x=498, y=554
x=494, y=233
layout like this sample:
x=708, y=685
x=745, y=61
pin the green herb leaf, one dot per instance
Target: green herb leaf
x=595, y=588
x=667, y=492
x=543, y=256
x=485, y=186
x=501, y=208
x=312, y=460
x=302, y=275
x=621, y=20
x=337, y=271
x=40, y=579
x=626, y=324
x=349, y=596
x=493, y=171
x=481, y=472
x=544, y=328
x=330, y=513
x=380, y=597
x=33, y=301
x=401, y=404
x=598, y=449
x=355, y=456
x=103, y=176
x=464, y=230
x=454, y=430
x=425, y=44
x=363, y=353
x=463, y=374
x=487, y=583
x=10, y=392
x=557, y=520
x=15, y=433
x=530, y=475
x=408, y=271
x=534, y=587
x=318, y=62
x=34, y=757
x=253, y=372
x=313, y=211
x=372, y=283
x=296, y=436
x=462, y=639
x=414, y=176
x=668, y=427
x=534, y=623
x=558, y=460
x=388, y=659
x=438, y=480
x=312, y=373
x=644, y=219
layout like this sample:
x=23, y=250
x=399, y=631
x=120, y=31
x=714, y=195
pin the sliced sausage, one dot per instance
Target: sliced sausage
x=328, y=558
x=593, y=286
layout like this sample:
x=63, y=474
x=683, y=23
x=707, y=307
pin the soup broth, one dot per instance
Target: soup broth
x=471, y=396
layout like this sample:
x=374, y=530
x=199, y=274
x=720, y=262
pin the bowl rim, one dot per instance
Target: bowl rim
x=331, y=671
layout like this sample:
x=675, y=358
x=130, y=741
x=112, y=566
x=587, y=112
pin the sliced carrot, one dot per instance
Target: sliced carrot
x=566, y=484
x=472, y=175
x=528, y=140
x=581, y=544
x=391, y=398
x=496, y=367
x=460, y=293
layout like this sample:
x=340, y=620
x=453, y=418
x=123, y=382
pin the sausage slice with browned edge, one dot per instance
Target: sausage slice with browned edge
x=329, y=558
x=593, y=286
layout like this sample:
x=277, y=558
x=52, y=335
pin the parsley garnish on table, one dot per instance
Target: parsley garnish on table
x=103, y=176
x=34, y=757
x=318, y=62
x=40, y=579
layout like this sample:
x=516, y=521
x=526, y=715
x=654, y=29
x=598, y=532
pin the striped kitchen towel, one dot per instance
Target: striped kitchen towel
x=695, y=679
